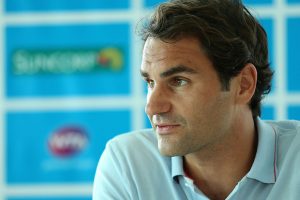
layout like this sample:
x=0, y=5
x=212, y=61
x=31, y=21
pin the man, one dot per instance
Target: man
x=206, y=66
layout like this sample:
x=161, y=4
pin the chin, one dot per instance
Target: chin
x=165, y=153
x=169, y=152
x=168, y=147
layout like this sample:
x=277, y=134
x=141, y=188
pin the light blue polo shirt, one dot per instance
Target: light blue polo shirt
x=132, y=168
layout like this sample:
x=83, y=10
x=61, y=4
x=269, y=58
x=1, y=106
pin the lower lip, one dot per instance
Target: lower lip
x=164, y=130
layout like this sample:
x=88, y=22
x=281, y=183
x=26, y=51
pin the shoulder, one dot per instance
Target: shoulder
x=141, y=138
x=286, y=131
x=131, y=167
x=287, y=126
x=288, y=159
x=135, y=147
x=136, y=152
x=121, y=168
x=288, y=142
x=137, y=136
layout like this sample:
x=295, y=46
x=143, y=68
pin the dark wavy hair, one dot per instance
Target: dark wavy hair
x=226, y=30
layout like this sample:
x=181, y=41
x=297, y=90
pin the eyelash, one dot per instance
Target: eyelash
x=178, y=81
x=174, y=81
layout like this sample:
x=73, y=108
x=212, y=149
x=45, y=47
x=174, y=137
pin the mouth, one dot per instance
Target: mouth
x=164, y=129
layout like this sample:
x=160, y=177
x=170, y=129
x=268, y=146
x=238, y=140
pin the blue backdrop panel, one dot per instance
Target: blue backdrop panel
x=293, y=53
x=268, y=25
x=51, y=5
x=268, y=112
x=294, y=112
x=257, y=2
x=59, y=146
x=152, y=3
x=64, y=60
x=293, y=1
x=147, y=122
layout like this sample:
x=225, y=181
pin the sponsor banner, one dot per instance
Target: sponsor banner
x=63, y=5
x=67, y=60
x=52, y=147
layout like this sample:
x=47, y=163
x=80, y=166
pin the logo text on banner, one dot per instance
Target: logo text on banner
x=66, y=61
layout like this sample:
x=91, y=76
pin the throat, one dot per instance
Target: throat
x=214, y=187
x=218, y=175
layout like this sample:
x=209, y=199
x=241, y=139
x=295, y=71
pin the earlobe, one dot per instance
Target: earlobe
x=247, y=83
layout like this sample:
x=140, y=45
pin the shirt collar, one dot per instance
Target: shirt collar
x=264, y=166
x=177, y=167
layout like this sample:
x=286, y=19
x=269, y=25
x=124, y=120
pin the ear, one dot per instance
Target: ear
x=246, y=84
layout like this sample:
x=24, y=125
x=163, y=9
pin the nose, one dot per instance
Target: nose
x=158, y=101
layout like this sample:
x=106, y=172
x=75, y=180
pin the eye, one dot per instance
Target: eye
x=178, y=82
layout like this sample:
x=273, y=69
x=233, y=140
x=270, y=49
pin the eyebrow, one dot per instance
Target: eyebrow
x=176, y=70
x=144, y=74
x=173, y=70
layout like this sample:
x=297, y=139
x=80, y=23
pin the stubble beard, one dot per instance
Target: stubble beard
x=178, y=144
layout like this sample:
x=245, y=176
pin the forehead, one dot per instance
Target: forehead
x=186, y=51
x=156, y=47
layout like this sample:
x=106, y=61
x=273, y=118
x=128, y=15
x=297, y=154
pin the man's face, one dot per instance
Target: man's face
x=185, y=103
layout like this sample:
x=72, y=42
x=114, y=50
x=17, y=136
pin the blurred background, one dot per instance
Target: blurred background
x=69, y=81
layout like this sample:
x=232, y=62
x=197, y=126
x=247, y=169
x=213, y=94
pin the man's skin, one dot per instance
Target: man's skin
x=193, y=116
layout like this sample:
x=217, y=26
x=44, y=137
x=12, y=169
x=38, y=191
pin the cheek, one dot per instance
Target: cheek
x=207, y=110
x=201, y=103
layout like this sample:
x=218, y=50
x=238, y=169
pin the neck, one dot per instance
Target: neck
x=217, y=169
